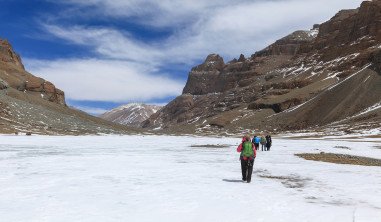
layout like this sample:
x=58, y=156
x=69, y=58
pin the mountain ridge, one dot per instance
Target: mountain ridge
x=269, y=90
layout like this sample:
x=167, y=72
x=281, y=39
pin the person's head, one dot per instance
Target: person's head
x=247, y=137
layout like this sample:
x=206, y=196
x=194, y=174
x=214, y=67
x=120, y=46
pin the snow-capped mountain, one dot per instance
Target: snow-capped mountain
x=131, y=114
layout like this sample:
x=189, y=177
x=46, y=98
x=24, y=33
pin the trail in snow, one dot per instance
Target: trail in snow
x=162, y=178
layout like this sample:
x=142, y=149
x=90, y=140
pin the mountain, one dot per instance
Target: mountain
x=132, y=114
x=32, y=104
x=324, y=79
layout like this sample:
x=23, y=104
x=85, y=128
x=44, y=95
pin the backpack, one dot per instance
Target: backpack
x=247, y=149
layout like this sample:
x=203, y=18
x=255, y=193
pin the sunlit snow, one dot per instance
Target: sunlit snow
x=163, y=178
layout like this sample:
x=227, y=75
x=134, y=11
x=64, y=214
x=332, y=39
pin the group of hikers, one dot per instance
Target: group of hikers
x=248, y=149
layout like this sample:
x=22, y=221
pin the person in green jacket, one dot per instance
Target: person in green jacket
x=263, y=143
x=248, y=154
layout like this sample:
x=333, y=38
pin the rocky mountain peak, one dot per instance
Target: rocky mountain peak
x=13, y=75
x=350, y=25
x=241, y=58
x=132, y=114
x=213, y=58
x=7, y=54
x=213, y=62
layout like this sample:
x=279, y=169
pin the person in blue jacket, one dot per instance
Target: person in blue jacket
x=256, y=141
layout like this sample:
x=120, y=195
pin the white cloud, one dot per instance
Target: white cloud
x=105, y=80
x=200, y=27
x=126, y=68
x=92, y=110
x=164, y=13
x=107, y=42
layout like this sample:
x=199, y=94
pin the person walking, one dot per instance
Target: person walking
x=256, y=141
x=268, y=142
x=247, y=156
x=263, y=143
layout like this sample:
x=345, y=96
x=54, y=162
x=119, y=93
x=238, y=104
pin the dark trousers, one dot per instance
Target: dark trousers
x=247, y=169
x=256, y=146
x=268, y=145
x=263, y=147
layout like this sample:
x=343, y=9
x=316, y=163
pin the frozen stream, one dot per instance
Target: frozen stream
x=162, y=178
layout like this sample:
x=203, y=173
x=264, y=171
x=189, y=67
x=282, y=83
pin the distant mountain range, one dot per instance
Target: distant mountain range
x=325, y=79
x=132, y=114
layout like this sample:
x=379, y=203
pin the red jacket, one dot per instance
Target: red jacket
x=239, y=148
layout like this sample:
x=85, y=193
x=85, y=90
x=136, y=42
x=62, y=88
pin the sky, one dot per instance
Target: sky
x=106, y=53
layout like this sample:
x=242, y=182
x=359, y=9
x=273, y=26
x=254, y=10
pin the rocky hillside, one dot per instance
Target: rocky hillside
x=13, y=75
x=326, y=78
x=32, y=104
x=132, y=114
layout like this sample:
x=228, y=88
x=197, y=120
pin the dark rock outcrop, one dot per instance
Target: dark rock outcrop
x=13, y=73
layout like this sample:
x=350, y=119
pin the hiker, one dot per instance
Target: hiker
x=253, y=141
x=263, y=143
x=248, y=154
x=268, y=142
x=256, y=141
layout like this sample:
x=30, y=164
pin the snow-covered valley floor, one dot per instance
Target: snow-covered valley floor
x=162, y=178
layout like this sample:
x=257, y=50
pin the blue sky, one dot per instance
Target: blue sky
x=105, y=53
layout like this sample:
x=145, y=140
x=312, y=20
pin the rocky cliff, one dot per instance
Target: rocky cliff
x=132, y=114
x=326, y=77
x=14, y=75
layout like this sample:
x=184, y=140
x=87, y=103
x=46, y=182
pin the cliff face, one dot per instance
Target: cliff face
x=13, y=74
x=313, y=78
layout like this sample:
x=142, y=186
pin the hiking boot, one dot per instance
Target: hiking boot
x=243, y=179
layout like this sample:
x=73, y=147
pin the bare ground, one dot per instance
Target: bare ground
x=340, y=159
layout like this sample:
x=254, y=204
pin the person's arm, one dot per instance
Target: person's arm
x=255, y=151
x=239, y=148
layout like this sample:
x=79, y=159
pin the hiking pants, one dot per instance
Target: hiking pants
x=268, y=146
x=256, y=146
x=263, y=147
x=247, y=169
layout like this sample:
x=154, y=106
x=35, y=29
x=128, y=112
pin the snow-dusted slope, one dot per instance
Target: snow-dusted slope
x=162, y=178
x=131, y=114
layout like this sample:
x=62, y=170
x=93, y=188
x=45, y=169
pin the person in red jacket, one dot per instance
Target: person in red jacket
x=247, y=156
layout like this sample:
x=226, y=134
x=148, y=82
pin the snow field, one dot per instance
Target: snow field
x=162, y=178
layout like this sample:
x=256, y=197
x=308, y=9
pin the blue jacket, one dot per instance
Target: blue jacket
x=257, y=139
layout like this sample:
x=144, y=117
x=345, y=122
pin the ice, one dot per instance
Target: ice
x=162, y=178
